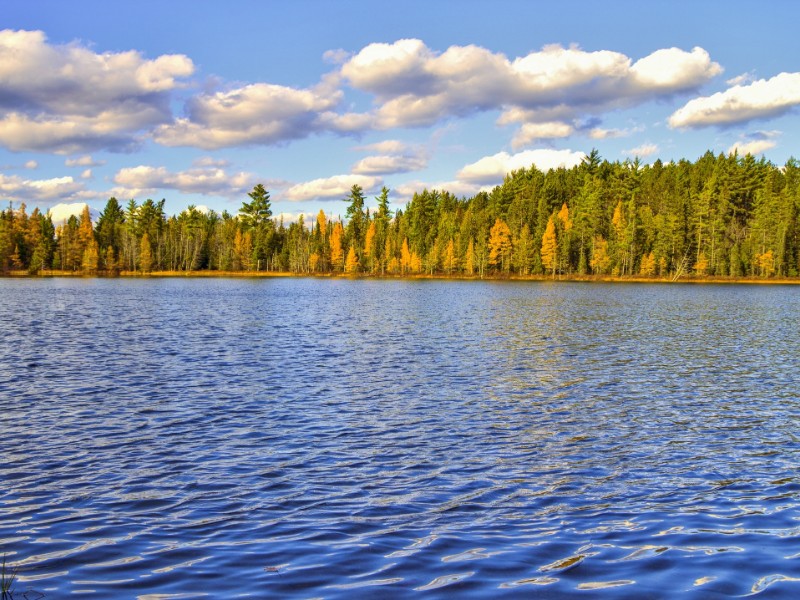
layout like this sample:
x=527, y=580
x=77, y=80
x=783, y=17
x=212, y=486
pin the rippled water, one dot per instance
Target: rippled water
x=181, y=438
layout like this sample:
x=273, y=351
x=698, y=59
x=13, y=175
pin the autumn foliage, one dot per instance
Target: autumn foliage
x=722, y=215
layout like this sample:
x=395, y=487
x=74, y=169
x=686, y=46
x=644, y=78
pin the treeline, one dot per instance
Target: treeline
x=722, y=215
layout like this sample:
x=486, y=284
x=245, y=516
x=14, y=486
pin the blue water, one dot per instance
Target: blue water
x=296, y=438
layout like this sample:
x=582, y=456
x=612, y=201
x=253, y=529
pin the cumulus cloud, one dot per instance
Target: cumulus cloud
x=61, y=212
x=492, y=169
x=756, y=142
x=394, y=157
x=31, y=165
x=331, y=188
x=260, y=113
x=384, y=165
x=80, y=100
x=87, y=174
x=41, y=191
x=642, y=151
x=762, y=99
x=209, y=181
x=416, y=86
x=532, y=132
x=754, y=147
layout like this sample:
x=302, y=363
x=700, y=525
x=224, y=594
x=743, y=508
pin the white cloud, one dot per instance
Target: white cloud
x=31, y=165
x=331, y=188
x=260, y=113
x=83, y=161
x=336, y=57
x=61, y=212
x=762, y=99
x=386, y=164
x=387, y=147
x=642, y=151
x=87, y=174
x=395, y=157
x=79, y=99
x=17, y=189
x=492, y=169
x=742, y=79
x=754, y=147
x=531, y=132
x=209, y=181
x=417, y=86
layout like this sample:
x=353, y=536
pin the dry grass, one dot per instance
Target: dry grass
x=418, y=276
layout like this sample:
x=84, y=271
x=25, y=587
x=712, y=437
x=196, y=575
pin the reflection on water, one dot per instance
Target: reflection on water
x=296, y=438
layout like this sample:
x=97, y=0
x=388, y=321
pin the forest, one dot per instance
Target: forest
x=721, y=215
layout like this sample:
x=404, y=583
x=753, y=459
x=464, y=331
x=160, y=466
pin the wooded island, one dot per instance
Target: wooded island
x=722, y=215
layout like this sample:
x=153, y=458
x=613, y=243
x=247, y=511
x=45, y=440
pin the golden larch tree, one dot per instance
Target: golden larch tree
x=550, y=247
x=450, y=257
x=469, y=259
x=405, y=257
x=369, y=250
x=500, y=245
x=600, y=260
x=145, y=255
x=337, y=253
x=563, y=216
x=648, y=266
x=351, y=265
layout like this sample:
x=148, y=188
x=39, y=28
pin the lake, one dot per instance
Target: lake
x=295, y=438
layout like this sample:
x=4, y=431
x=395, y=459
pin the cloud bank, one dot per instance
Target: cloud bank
x=79, y=100
x=762, y=99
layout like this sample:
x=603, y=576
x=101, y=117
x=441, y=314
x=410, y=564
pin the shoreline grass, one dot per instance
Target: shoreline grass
x=695, y=279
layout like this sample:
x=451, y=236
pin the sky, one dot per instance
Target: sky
x=195, y=102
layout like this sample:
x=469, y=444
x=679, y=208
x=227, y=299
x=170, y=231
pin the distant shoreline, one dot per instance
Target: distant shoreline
x=705, y=279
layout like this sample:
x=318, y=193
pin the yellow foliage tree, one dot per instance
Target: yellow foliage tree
x=450, y=260
x=337, y=253
x=91, y=257
x=322, y=223
x=766, y=263
x=648, y=266
x=563, y=216
x=600, y=260
x=145, y=255
x=369, y=242
x=550, y=247
x=618, y=220
x=701, y=266
x=405, y=257
x=351, y=265
x=313, y=261
x=500, y=245
x=469, y=259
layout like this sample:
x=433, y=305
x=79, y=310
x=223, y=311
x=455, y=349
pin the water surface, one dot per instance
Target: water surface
x=187, y=438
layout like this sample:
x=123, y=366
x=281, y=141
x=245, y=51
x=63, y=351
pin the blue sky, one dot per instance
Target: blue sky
x=198, y=101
